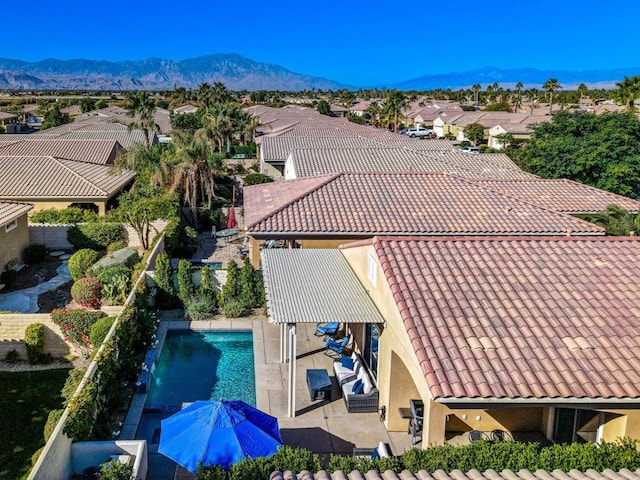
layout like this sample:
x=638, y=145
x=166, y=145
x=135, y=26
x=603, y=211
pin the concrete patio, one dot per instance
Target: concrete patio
x=323, y=427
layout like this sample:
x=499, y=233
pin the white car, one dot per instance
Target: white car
x=418, y=132
x=469, y=150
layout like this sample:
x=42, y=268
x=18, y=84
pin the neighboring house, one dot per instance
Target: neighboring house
x=326, y=211
x=72, y=111
x=360, y=107
x=185, y=109
x=49, y=182
x=8, y=118
x=102, y=152
x=536, y=336
x=562, y=195
x=14, y=232
x=338, y=111
x=518, y=131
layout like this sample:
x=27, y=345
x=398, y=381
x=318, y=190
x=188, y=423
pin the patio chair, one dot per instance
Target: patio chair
x=499, y=436
x=417, y=420
x=477, y=435
x=334, y=347
x=328, y=330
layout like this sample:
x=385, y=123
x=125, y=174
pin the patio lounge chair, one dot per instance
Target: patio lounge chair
x=328, y=330
x=417, y=419
x=334, y=347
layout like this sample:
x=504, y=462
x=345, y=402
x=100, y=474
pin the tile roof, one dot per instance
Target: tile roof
x=562, y=195
x=277, y=149
x=7, y=116
x=487, y=165
x=48, y=177
x=607, y=474
x=102, y=152
x=125, y=138
x=9, y=211
x=520, y=318
x=397, y=203
x=297, y=289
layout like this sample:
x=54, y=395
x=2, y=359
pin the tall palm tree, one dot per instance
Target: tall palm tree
x=628, y=91
x=476, y=89
x=395, y=104
x=141, y=107
x=532, y=95
x=582, y=89
x=550, y=86
x=517, y=102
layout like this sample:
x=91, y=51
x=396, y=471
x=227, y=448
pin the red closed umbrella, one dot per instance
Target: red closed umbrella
x=231, y=222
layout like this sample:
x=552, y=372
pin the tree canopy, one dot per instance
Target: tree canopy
x=474, y=132
x=602, y=151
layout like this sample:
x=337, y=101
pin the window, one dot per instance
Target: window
x=11, y=225
x=372, y=269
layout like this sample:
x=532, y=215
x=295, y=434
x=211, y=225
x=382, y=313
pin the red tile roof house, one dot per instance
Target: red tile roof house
x=535, y=336
x=328, y=210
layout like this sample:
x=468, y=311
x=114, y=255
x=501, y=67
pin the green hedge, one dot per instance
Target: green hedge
x=481, y=456
x=67, y=216
x=34, y=342
x=94, y=235
x=100, y=329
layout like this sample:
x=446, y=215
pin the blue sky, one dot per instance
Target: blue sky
x=353, y=42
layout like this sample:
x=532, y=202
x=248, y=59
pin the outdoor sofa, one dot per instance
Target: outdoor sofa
x=347, y=375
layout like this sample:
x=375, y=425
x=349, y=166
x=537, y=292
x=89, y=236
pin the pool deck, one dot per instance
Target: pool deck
x=324, y=427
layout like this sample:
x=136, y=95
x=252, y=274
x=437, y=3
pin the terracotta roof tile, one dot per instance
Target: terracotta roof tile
x=540, y=348
x=102, y=152
x=9, y=211
x=399, y=203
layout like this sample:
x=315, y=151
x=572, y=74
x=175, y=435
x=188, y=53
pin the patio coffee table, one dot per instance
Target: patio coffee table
x=319, y=384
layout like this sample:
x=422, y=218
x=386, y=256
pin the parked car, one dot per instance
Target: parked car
x=469, y=150
x=403, y=131
x=419, y=132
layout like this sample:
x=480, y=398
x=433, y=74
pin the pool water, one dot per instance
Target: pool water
x=209, y=365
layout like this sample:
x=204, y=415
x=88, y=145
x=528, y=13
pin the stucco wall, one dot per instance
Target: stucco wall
x=13, y=242
x=13, y=326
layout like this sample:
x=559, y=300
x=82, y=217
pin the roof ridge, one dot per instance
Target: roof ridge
x=60, y=161
x=330, y=177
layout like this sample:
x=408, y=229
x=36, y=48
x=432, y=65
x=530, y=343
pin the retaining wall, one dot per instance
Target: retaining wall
x=13, y=326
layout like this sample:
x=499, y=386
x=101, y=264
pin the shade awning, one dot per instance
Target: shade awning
x=314, y=286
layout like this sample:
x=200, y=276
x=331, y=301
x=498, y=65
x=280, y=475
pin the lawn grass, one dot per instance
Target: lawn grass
x=25, y=401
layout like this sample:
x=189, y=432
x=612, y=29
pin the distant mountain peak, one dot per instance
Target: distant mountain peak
x=234, y=70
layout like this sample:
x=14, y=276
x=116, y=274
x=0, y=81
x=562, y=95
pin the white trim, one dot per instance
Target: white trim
x=372, y=270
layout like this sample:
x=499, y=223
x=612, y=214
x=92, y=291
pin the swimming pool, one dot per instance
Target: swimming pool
x=203, y=365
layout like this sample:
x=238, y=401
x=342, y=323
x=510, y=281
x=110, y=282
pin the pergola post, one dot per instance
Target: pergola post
x=292, y=370
x=283, y=343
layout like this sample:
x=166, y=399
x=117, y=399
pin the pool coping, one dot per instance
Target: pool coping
x=134, y=414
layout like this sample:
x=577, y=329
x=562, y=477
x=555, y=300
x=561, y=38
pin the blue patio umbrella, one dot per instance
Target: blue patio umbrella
x=218, y=433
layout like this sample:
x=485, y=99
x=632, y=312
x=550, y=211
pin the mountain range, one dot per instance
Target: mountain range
x=235, y=71
x=240, y=73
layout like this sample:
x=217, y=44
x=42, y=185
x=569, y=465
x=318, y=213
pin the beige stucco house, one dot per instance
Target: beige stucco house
x=533, y=336
x=14, y=232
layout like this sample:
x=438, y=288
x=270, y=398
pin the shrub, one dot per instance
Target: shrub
x=233, y=309
x=87, y=292
x=201, y=308
x=94, y=235
x=100, y=329
x=231, y=289
x=116, y=282
x=81, y=261
x=163, y=275
x=206, y=284
x=76, y=323
x=36, y=455
x=52, y=421
x=8, y=277
x=66, y=216
x=71, y=384
x=12, y=356
x=256, y=179
x=186, y=288
x=113, y=246
x=34, y=342
x=115, y=470
x=35, y=253
x=251, y=286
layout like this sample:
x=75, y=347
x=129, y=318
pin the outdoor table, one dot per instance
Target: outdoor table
x=227, y=233
x=319, y=384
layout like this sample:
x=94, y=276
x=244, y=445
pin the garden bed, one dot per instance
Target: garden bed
x=58, y=298
x=34, y=274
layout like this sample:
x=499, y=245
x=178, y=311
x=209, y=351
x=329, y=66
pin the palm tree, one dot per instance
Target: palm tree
x=141, y=107
x=476, y=89
x=532, y=95
x=628, y=91
x=517, y=103
x=395, y=104
x=582, y=89
x=550, y=86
